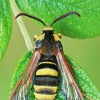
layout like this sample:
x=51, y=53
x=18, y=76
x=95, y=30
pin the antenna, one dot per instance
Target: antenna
x=63, y=16
x=57, y=19
x=31, y=16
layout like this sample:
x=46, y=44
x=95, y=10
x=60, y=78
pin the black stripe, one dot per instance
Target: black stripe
x=45, y=65
x=46, y=81
x=46, y=92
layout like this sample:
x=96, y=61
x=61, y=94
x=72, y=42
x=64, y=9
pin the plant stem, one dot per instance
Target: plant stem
x=21, y=25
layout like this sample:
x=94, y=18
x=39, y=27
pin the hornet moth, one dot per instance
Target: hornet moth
x=48, y=62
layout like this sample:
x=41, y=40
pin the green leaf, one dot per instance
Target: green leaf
x=85, y=27
x=60, y=95
x=21, y=66
x=5, y=26
x=84, y=82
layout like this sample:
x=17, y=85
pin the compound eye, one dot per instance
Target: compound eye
x=59, y=45
x=59, y=35
x=38, y=44
x=35, y=37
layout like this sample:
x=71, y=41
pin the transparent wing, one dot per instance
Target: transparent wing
x=68, y=84
x=24, y=85
x=23, y=92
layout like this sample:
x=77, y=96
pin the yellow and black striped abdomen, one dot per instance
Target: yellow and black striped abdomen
x=46, y=81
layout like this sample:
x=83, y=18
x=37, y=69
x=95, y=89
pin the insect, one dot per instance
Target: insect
x=47, y=64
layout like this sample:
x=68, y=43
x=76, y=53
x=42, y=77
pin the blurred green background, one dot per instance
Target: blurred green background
x=85, y=52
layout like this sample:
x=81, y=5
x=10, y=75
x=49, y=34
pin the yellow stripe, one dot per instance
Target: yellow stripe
x=40, y=88
x=47, y=63
x=44, y=96
x=40, y=37
x=48, y=28
x=47, y=71
x=56, y=37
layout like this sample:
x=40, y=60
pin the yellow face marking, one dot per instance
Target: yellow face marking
x=47, y=63
x=44, y=96
x=56, y=37
x=40, y=88
x=48, y=28
x=40, y=37
x=47, y=71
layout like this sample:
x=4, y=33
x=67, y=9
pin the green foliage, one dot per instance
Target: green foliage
x=84, y=82
x=85, y=27
x=60, y=96
x=5, y=26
